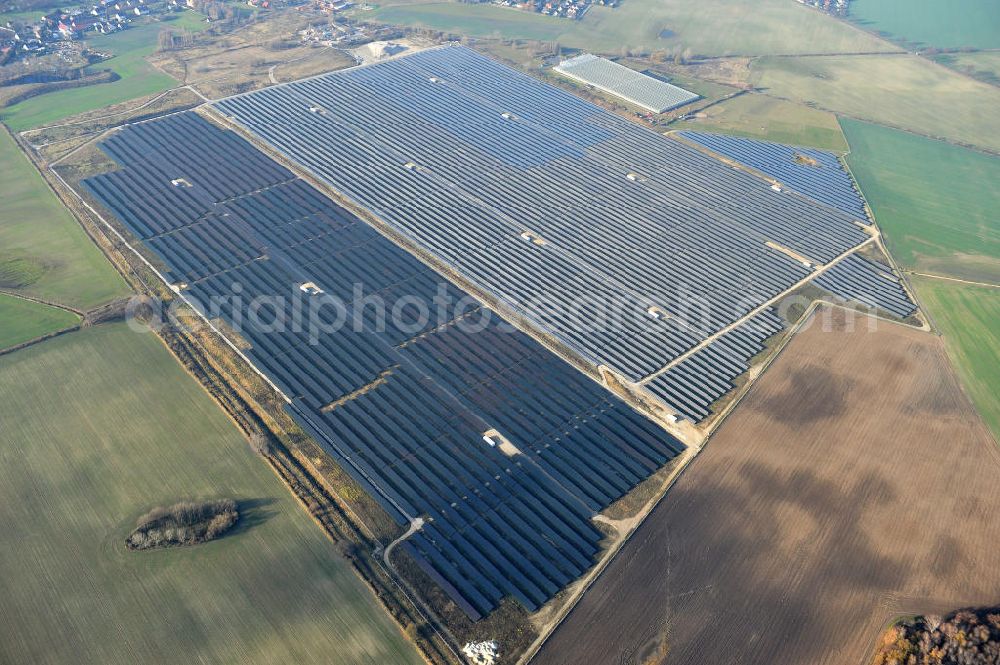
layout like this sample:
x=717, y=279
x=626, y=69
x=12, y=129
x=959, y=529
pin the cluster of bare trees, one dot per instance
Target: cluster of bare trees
x=169, y=39
x=966, y=637
x=185, y=523
x=679, y=55
x=260, y=443
x=38, y=70
x=219, y=11
x=116, y=310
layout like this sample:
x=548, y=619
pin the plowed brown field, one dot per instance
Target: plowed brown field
x=854, y=484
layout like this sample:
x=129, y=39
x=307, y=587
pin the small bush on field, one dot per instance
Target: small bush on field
x=116, y=310
x=185, y=523
x=806, y=160
x=260, y=444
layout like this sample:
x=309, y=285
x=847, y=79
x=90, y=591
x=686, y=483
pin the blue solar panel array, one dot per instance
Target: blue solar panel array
x=462, y=156
x=403, y=404
x=826, y=181
x=693, y=385
x=868, y=282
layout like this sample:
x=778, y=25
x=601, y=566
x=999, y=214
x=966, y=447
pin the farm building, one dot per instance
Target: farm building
x=635, y=87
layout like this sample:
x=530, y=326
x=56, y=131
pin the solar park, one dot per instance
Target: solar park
x=820, y=175
x=627, y=247
x=870, y=283
x=530, y=196
x=404, y=411
x=814, y=173
x=695, y=383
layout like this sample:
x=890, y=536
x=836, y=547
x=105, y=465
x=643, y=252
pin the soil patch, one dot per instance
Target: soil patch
x=855, y=484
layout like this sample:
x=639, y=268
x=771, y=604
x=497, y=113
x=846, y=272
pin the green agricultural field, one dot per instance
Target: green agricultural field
x=763, y=117
x=26, y=11
x=901, y=91
x=707, y=90
x=43, y=250
x=708, y=27
x=927, y=23
x=138, y=77
x=22, y=320
x=98, y=427
x=22, y=16
x=969, y=318
x=984, y=65
x=936, y=203
x=473, y=20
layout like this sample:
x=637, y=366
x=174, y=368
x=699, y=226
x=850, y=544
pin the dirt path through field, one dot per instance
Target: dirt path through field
x=854, y=484
x=953, y=279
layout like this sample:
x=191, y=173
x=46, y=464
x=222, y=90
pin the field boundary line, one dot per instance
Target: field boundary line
x=38, y=340
x=83, y=122
x=988, y=285
x=22, y=146
x=40, y=301
x=419, y=606
x=838, y=54
x=904, y=282
x=841, y=114
x=390, y=572
x=918, y=51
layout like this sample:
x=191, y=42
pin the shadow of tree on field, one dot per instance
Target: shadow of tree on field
x=253, y=513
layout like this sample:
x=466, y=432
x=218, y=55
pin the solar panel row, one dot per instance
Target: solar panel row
x=858, y=279
x=645, y=91
x=817, y=174
x=402, y=401
x=579, y=220
x=693, y=385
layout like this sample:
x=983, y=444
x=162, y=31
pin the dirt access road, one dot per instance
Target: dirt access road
x=855, y=483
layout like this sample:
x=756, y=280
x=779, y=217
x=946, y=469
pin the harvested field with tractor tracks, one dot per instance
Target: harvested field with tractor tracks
x=855, y=484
